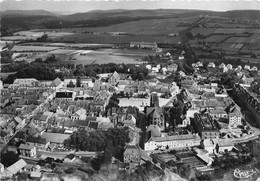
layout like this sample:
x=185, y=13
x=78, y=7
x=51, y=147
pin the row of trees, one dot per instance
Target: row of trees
x=45, y=70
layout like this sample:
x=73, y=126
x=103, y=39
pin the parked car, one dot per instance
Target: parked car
x=49, y=160
x=58, y=161
x=42, y=162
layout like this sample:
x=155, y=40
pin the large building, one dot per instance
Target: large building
x=30, y=82
x=152, y=45
x=169, y=142
x=205, y=126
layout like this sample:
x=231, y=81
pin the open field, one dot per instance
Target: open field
x=228, y=25
x=101, y=56
x=118, y=39
x=216, y=38
x=145, y=27
x=17, y=38
x=117, y=56
x=70, y=45
x=231, y=30
x=203, y=31
x=38, y=33
x=18, y=48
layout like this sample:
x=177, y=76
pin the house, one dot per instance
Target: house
x=80, y=114
x=57, y=84
x=56, y=139
x=208, y=145
x=205, y=126
x=30, y=82
x=218, y=113
x=221, y=66
x=38, y=142
x=199, y=64
x=181, y=57
x=185, y=122
x=132, y=154
x=1, y=85
x=155, y=69
x=175, y=141
x=238, y=69
x=149, y=67
x=235, y=117
x=35, y=175
x=188, y=83
x=172, y=68
x=247, y=81
x=211, y=65
x=65, y=95
x=224, y=145
x=151, y=45
x=26, y=150
x=87, y=82
x=113, y=78
x=229, y=67
x=247, y=67
x=254, y=68
x=16, y=167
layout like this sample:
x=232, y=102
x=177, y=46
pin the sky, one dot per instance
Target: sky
x=74, y=6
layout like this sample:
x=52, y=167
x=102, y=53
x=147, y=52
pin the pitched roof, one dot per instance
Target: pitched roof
x=174, y=137
x=57, y=82
x=64, y=94
x=36, y=140
x=17, y=166
x=25, y=147
x=55, y=137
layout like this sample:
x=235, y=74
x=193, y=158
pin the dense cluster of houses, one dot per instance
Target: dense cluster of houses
x=60, y=109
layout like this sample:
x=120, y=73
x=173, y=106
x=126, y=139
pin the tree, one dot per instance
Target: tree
x=71, y=84
x=22, y=176
x=43, y=38
x=78, y=83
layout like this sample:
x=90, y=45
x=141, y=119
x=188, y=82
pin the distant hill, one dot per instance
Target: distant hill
x=14, y=13
x=162, y=13
x=242, y=14
x=13, y=20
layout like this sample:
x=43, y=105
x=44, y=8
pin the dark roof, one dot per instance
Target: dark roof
x=64, y=94
x=36, y=140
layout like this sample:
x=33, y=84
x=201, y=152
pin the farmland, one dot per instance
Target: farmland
x=100, y=56
x=69, y=45
x=216, y=38
x=147, y=27
x=19, y=48
x=117, y=39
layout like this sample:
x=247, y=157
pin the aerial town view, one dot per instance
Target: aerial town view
x=130, y=90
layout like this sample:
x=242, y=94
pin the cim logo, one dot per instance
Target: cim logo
x=242, y=174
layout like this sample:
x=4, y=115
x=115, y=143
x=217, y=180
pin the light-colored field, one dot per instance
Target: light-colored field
x=39, y=33
x=70, y=45
x=19, y=48
x=102, y=56
x=107, y=56
x=12, y=38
